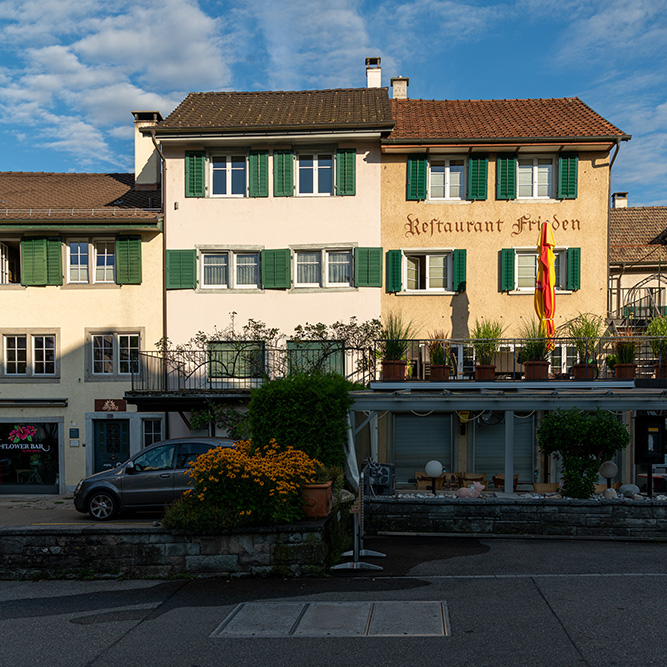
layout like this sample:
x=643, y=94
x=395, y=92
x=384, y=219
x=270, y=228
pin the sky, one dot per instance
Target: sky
x=72, y=71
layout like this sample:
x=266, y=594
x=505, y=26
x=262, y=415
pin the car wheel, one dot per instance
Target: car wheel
x=102, y=505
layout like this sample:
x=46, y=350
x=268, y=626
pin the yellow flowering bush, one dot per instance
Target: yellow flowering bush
x=242, y=485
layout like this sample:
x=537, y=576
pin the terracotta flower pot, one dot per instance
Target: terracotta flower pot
x=317, y=500
x=394, y=370
x=583, y=371
x=660, y=370
x=536, y=370
x=439, y=372
x=485, y=372
x=625, y=371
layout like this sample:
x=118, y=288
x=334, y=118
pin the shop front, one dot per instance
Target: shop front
x=30, y=456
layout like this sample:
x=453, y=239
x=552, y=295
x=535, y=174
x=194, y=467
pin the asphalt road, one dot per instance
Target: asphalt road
x=507, y=602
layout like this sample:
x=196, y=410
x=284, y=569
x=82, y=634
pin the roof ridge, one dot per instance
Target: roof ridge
x=282, y=92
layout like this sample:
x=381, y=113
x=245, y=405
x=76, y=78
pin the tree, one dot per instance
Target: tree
x=583, y=440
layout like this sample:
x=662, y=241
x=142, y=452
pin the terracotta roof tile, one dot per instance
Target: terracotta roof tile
x=43, y=195
x=637, y=234
x=280, y=110
x=497, y=119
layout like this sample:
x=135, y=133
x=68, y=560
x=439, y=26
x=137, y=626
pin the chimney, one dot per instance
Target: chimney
x=146, y=158
x=373, y=73
x=619, y=200
x=399, y=87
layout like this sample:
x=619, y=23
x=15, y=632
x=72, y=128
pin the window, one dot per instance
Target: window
x=104, y=260
x=215, y=268
x=160, y=458
x=519, y=269
x=228, y=175
x=322, y=267
x=115, y=354
x=10, y=263
x=446, y=179
x=216, y=273
x=327, y=356
x=152, y=431
x=236, y=359
x=77, y=261
x=29, y=355
x=535, y=177
x=315, y=174
x=426, y=271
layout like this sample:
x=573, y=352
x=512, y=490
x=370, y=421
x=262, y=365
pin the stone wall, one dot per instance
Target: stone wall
x=517, y=516
x=296, y=550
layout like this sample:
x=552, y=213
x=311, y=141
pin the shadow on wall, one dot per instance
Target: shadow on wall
x=460, y=314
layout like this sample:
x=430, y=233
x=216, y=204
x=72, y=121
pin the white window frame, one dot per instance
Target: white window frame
x=233, y=267
x=150, y=434
x=94, y=243
x=126, y=345
x=427, y=255
x=234, y=275
x=324, y=266
x=115, y=360
x=31, y=340
x=6, y=348
x=43, y=350
x=316, y=157
x=560, y=264
x=447, y=177
x=216, y=253
x=69, y=261
x=229, y=170
x=327, y=263
x=535, y=176
x=320, y=262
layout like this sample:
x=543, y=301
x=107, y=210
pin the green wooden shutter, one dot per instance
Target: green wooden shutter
x=276, y=269
x=258, y=167
x=574, y=268
x=568, y=170
x=327, y=356
x=459, y=277
x=283, y=173
x=128, y=260
x=195, y=174
x=478, y=170
x=368, y=267
x=41, y=261
x=416, y=186
x=506, y=177
x=181, y=269
x=346, y=159
x=507, y=269
x=394, y=270
x=235, y=359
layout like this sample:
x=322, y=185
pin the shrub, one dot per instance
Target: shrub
x=583, y=440
x=243, y=485
x=308, y=410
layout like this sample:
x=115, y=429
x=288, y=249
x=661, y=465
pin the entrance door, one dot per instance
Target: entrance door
x=112, y=443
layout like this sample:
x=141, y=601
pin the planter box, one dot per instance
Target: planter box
x=583, y=371
x=536, y=370
x=625, y=371
x=485, y=372
x=439, y=372
x=317, y=500
x=394, y=370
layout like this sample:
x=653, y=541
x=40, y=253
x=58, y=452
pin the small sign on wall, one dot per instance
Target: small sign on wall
x=110, y=405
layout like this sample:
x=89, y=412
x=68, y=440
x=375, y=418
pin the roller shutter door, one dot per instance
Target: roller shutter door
x=489, y=456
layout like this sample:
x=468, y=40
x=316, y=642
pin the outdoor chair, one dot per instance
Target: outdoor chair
x=499, y=482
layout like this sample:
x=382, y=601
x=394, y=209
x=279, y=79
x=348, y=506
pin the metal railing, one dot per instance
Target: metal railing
x=633, y=304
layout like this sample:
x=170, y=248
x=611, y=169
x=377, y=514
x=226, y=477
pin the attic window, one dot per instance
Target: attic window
x=118, y=202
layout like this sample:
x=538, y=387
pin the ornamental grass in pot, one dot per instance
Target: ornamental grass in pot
x=485, y=337
x=396, y=335
x=438, y=349
x=586, y=330
x=625, y=350
x=657, y=331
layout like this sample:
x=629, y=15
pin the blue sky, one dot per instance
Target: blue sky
x=71, y=71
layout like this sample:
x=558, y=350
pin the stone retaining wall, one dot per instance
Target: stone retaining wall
x=517, y=516
x=44, y=552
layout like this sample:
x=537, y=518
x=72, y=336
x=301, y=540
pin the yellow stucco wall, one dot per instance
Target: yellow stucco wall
x=483, y=228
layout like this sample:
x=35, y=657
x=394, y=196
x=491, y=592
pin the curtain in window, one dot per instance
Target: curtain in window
x=215, y=269
x=339, y=267
x=437, y=272
x=246, y=270
x=308, y=267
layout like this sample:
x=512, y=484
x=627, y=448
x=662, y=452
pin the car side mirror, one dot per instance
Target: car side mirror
x=129, y=467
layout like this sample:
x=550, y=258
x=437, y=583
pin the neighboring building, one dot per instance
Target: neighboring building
x=637, y=262
x=81, y=286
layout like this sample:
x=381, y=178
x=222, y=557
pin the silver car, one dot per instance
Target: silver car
x=150, y=479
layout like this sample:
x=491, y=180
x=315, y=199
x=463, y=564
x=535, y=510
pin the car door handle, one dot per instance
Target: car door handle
x=165, y=475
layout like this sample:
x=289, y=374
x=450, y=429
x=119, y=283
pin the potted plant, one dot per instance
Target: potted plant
x=625, y=349
x=534, y=352
x=657, y=330
x=485, y=341
x=438, y=348
x=586, y=329
x=396, y=336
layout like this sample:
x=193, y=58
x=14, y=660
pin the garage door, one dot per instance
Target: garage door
x=418, y=440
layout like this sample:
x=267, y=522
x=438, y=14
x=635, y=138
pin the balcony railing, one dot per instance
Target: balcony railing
x=242, y=366
x=637, y=304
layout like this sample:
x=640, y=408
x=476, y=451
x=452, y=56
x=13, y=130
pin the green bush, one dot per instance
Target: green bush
x=583, y=440
x=307, y=411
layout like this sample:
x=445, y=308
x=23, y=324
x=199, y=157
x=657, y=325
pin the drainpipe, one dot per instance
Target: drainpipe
x=611, y=164
x=164, y=265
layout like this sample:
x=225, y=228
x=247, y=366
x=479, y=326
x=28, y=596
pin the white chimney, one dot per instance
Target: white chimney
x=619, y=200
x=373, y=73
x=146, y=158
x=399, y=87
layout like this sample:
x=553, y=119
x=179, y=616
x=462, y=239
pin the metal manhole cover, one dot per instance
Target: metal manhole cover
x=336, y=619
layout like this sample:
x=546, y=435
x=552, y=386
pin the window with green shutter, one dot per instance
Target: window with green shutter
x=459, y=270
x=506, y=177
x=276, y=269
x=507, y=269
x=283, y=173
x=394, y=264
x=574, y=268
x=128, y=260
x=181, y=269
x=195, y=174
x=478, y=169
x=568, y=174
x=258, y=166
x=41, y=261
x=368, y=267
x=346, y=159
x=416, y=180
